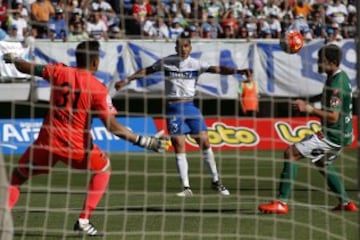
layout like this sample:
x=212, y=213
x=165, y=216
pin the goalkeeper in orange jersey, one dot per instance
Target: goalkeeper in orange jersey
x=65, y=134
x=322, y=147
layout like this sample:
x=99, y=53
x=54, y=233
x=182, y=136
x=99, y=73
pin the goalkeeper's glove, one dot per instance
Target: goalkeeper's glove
x=9, y=57
x=156, y=143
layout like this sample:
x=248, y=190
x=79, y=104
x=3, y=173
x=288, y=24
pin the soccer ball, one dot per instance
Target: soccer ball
x=291, y=42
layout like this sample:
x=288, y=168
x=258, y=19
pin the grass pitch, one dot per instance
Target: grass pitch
x=141, y=204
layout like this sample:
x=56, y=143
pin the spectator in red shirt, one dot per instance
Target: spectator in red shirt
x=65, y=134
x=228, y=20
x=140, y=11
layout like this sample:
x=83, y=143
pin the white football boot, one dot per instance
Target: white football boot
x=185, y=193
x=217, y=186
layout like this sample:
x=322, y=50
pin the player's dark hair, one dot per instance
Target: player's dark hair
x=85, y=52
x=332, y=53
x=183, y=35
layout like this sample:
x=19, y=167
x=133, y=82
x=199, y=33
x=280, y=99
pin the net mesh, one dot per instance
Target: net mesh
x=141, y=202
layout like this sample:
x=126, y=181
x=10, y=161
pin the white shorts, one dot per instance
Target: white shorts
x=317, y=148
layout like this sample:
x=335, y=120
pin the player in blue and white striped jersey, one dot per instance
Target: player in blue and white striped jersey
x=181, y=73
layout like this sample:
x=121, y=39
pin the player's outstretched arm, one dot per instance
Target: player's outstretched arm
x=21, y=65
x=138, y=74
x=329, y=116
x=157, y=142
x=229, y=70
x=316, y=98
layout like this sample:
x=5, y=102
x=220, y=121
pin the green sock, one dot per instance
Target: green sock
x=288, y=174
x=334, y=183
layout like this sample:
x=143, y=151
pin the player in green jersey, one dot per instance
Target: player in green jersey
x=322, y=147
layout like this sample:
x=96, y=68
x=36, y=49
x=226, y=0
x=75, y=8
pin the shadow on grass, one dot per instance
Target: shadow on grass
x=43, y=235
x=164, y=210
x=184, y=210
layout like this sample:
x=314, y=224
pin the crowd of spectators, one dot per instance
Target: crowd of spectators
x=60, y=20
x=77, y=20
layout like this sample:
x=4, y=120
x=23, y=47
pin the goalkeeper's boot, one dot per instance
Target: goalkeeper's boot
x=217, y=186
x=86, y=228
x=185, y=193
x=349, y=206
x=274, y=207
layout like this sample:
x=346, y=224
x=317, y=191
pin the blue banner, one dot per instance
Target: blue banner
x=17, y=135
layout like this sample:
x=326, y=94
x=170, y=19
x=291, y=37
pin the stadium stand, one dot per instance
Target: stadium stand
x=134, y=18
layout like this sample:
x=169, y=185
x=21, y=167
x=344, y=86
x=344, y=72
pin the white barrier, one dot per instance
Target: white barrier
x=277, y=73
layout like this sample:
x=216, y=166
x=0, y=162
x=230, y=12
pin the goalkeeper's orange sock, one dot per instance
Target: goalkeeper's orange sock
x=13, y=196
x=16, y=181
x=96, y=189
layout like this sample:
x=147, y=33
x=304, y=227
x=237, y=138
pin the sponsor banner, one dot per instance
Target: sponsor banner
x=17, y=135
x=224, y=133
x=277, y=73
x=259, y=133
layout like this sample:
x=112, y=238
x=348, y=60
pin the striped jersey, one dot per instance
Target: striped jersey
x=181, y=76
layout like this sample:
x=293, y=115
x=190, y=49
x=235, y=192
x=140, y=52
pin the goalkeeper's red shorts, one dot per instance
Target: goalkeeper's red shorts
x=39, y=160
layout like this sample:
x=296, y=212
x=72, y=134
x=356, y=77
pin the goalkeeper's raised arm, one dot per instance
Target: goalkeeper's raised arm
x=23, y=65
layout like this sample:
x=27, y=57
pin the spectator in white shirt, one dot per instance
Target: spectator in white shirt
x=101, y=4
x=178, y=7
x=96, y=28
x=176, y=29
x=77, y=32
x=337, y=12
x=13, y=37
x=156, y=29
x=19, y=7
x=271, y=8
x=264, y=30
x=251, y=24
x=20, y=24
x=108, y=14
x=215, y=9
x=275, y=26
x=236, y=7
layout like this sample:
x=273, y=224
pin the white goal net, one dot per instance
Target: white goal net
x=141, y=200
